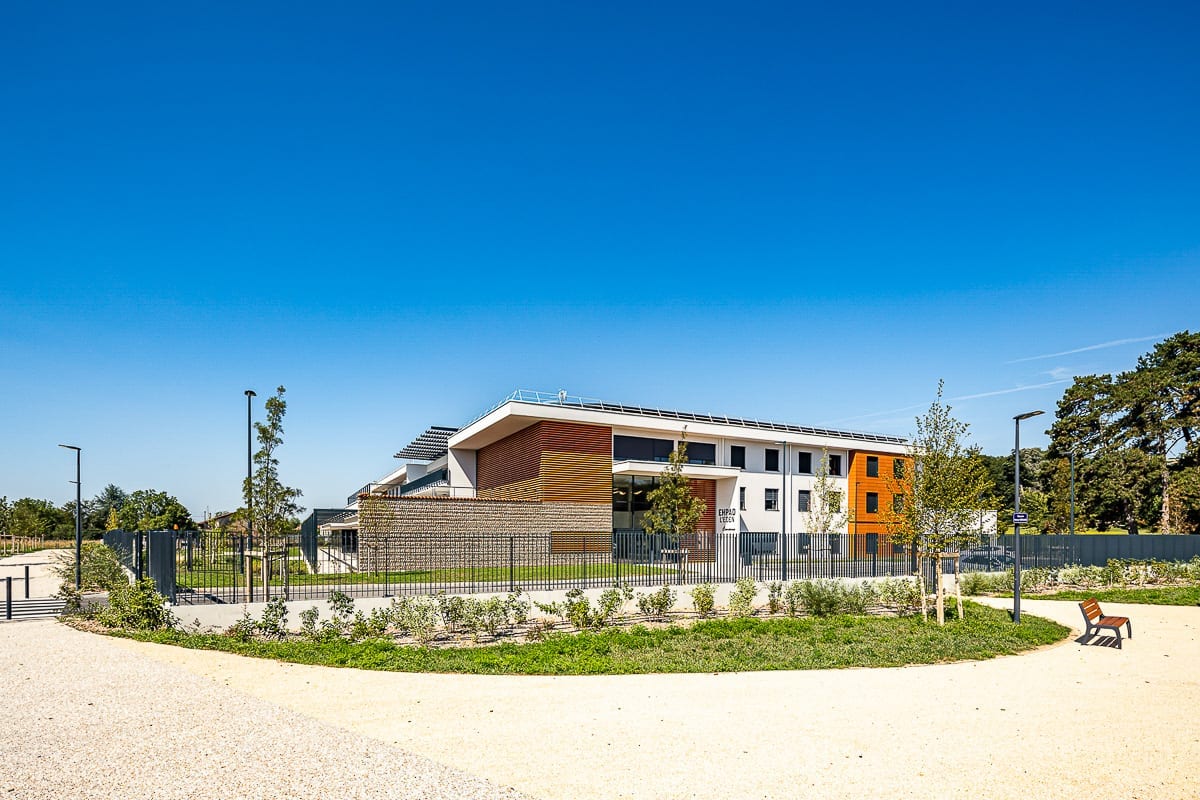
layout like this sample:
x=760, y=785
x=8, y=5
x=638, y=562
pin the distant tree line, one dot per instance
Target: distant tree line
x=1137, y=450
x=144, y=509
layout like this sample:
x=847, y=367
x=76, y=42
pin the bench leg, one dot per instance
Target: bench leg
x=1129, y=627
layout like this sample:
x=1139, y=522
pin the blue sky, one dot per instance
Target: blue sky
x=403, y=212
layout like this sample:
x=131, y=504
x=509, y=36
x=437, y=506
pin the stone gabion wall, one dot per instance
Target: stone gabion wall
x=417, y=533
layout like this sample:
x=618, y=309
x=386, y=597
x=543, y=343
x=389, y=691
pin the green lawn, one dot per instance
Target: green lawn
x=722, y=645
x=1154, y=595
x=200, y=579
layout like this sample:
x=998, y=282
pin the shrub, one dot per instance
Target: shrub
x=273, y=624
x=704, y=598
x=975, y=583
x=417, y=617
x=308, y=622
x=741, y=599
x=657, y=604
x=774, y=597
x=136, y=607
x=901, y=595
x=857, y=599
x=792, y=598
x=821, y=597
x=451, y=610
x=100, y=569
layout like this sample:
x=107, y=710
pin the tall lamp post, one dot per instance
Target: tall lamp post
x=1017, y=511
x=78, y=519
x=249, y=473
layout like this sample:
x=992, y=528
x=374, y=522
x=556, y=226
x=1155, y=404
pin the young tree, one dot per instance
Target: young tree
x=271, y=504
x=110, y=499
x=674, y=510
x=827, y=510
x=944, y=491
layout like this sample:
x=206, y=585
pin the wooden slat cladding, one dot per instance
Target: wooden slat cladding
x=706, y=490
x=576, y=478
x=549, y=461
x=567, y=437
x=514, y=459
x=581, y=542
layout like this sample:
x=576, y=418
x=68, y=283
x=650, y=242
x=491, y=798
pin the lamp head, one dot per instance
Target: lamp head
x=250, y=393
x=1027, y=415
x=70, y=447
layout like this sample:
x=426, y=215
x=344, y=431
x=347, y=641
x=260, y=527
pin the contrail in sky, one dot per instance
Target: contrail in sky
x=1101, y=346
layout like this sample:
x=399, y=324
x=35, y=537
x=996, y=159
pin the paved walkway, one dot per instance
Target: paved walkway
x=42, y=580
x=1045, y=724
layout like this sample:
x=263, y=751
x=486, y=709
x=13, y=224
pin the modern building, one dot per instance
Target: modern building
x=587, y=466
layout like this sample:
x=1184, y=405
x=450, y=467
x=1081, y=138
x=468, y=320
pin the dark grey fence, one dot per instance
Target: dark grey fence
x=152, y=554
x=1093, y=550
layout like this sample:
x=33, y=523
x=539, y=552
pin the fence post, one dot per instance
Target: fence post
x=512, y=565
x=8, y=596
x=26, y=581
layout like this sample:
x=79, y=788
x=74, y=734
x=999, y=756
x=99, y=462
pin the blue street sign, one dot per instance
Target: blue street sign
x=1020, y=519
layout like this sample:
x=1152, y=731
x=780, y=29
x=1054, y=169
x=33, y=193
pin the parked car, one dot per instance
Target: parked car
x=987, y=557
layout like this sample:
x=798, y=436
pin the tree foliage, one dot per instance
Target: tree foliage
x=1136, y=439
x=272, y=505
x=674, y=510
x=152, y=510
x=943, y=493
x=827, y=510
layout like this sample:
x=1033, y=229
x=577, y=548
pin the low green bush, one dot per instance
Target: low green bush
x=137, y=607
x=704, y=598
x=657, y=604
x=741, y=599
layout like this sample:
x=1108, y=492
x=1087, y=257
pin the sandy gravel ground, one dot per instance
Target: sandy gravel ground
x=1066, y=721
x=85, y=716
x=43, y=582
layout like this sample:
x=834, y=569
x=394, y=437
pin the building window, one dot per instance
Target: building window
x=742, y=498
x=898, y=503
x=700, y=453
x=771, y=500
x=872, y=466
x=737, y=456
x=898, y=469
x=804, y=500
x=833, y=501
x=872, y=502
x=772, y=461
x=639, y=448
x=804, y=463
x=835, y=465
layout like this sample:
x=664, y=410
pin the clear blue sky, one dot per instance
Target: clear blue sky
x=402, y=212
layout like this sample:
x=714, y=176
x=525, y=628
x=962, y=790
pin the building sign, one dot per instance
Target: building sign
x=727, y=519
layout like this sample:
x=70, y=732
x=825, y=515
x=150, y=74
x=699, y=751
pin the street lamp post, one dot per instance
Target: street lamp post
x=1017, y=510
x=78, y=519
x=784, y=520
x=249, y=474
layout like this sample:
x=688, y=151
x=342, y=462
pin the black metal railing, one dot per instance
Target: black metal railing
x=212, y=567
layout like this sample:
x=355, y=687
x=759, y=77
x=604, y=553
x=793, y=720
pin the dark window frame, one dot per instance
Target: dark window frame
x=872, y=503
x=898, y=468
x=769, y=495
x=834, y=458
x=737, y=455
x=872, y=466
x=767, y=456
x=804, y=500
x=804, y=463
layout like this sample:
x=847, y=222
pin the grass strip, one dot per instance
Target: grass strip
x=1153, y=595
x=721, y=645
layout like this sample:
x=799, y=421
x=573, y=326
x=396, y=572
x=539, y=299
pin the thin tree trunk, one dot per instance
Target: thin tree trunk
x=1164, y=525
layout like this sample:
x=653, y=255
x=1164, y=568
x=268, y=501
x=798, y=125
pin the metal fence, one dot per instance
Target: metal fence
x=211, y=567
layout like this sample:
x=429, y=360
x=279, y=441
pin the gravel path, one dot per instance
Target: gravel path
x=1065, y=721
x=90, y=717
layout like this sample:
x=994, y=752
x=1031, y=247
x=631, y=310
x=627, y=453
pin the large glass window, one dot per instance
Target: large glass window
x=737, y=456
x=804, y=500
x=872, y=502
x=640, y=448
x=771, y=500
x=898, y=468
x=835, y=465
x=804, y=463
x=872, y=466
x=631, y=500
x=772, y=464
x=700, y=453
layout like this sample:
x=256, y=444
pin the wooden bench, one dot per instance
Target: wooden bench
x=1094, y=618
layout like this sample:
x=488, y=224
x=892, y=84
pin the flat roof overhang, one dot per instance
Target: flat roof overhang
x=689, y=470
x=516, y=415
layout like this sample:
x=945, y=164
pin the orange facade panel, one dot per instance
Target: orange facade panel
x=883, y=484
